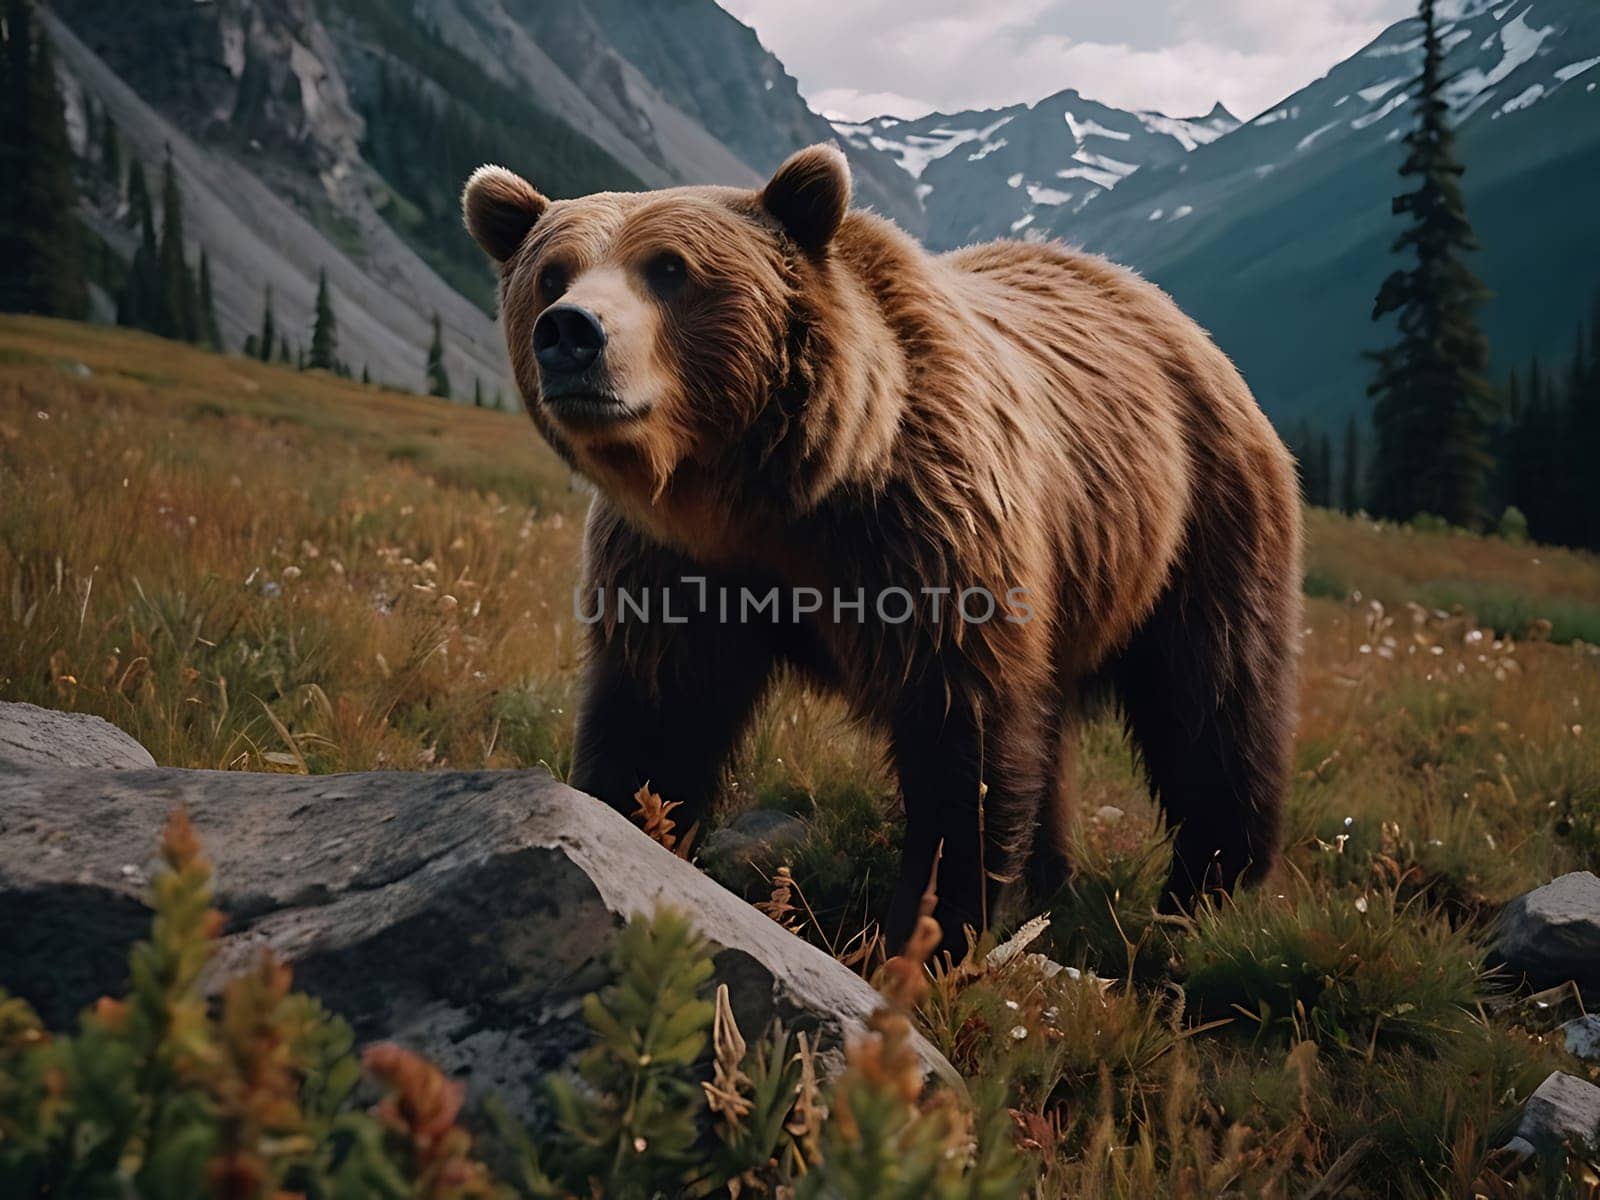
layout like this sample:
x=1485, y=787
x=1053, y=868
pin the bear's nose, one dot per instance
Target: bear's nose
x=567, y=339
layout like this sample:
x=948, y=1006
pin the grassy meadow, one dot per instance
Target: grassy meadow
x=247, y=567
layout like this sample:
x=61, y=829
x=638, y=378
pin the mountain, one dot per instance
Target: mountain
x=1276, y=236
x=312, y=134
x=336, y=134
x=1000, y=172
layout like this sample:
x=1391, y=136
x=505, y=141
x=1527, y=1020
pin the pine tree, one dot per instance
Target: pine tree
x=1433, y=406
x=324, y=332
x=140, y=303
x=110, y=152
x=438, y=377
x=269, y=329
x=1325, y=470
x=138, y=195
x=252, y=346
x=178, y=306
x=210, y=331
x=366, y=375
x=283, y=352
x=1350, y=482
x=41, y=243
x=477, y=392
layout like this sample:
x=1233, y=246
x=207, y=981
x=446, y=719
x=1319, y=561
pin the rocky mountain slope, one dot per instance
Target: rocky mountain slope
x=312, y=134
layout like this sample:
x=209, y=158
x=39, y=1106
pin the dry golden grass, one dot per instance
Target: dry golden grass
x=245, y=566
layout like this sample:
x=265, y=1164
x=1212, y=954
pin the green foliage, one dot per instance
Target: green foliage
x=210, y=332
x=438, y=377
x=650, y=1027
x=1433, y=406
x=1352, y=972
x=325, y=332
x=164, y=1097
x=1513, y=526
x=1351, y=489
x=1551, y=438
x=177, y=316
x=41, y=242
x=268, y=340
x=434, y=117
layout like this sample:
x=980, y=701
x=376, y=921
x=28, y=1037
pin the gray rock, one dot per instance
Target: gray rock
x=1582, y=1038
x=33, y=737
x=1552, y=934
x=744, y=852
x=1564, y=1111
x=463, y=914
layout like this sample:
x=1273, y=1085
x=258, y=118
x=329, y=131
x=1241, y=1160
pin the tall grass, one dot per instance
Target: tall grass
x=249, y=567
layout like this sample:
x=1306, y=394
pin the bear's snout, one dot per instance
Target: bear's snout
x=567, y=339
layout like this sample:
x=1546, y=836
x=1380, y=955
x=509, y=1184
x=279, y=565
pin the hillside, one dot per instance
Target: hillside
x=250, y=567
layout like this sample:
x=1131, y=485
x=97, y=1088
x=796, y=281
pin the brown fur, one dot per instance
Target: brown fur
x=826, y=404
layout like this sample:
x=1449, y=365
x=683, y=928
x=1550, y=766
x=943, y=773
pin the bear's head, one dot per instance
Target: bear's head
x=653, y=334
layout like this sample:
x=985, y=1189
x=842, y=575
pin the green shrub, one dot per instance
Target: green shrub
x=1513, y=526
x=1354, y=971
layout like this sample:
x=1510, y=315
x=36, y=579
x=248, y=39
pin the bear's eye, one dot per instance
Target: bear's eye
x=666, y=274
x=552, y=282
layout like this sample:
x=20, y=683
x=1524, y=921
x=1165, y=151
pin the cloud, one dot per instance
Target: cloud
x=862, y=57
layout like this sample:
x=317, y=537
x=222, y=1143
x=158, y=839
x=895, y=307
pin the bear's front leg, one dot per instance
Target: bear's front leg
x=973, y=784
x=667, y=710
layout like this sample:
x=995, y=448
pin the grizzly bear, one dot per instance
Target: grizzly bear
x=967, y=492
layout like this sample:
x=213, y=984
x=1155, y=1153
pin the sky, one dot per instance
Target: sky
x=861, y=58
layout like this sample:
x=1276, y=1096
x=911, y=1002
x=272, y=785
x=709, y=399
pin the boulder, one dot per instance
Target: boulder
x=745, y=852
x=1551, y=935
x=33, y=737
x=462, y=914
x=1581, y=1037
x=1564, y=1111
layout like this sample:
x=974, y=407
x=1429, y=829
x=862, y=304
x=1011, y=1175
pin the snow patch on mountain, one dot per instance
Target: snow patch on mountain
x=1089, y=128
x=916, y=150
x=1044, y=195
x=1573, y=70
x=1189, y=134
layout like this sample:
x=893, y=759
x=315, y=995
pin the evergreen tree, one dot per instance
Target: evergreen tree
x=1433, y=406
x=269, y=329
x=1324, y=471
x=139, y=209
x=110, y=152
x=210, y=331
x=324, y=333
x=139, y=305
x=438, y=377
x=178, y=305
x=366, y=375
x=477, y=392
x=283, y=352
x=252, y=346
x=41, y=243
x=1350, y=465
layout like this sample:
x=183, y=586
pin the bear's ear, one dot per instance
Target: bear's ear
x=809, y=195
x=500, y=208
